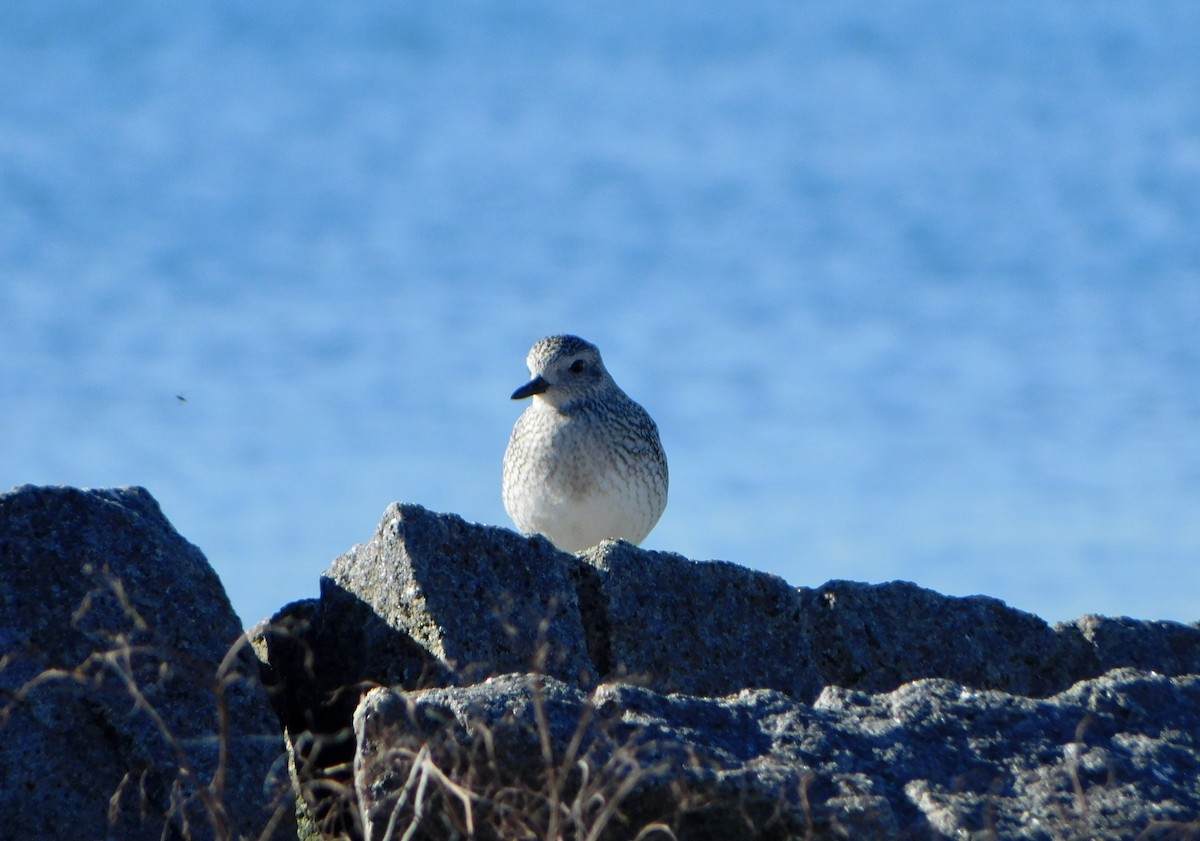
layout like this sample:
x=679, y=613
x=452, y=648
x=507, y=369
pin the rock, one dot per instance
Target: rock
x=696, y=627
x=432, y=593
x=1110, y=758
x=132, y=708
x=319, y=657
x=429, y=600
x=877, y=637
x=480, y=599
x=1170, y=648
x=931, y=716
x=125, y=674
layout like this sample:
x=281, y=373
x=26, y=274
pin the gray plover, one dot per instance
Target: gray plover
x=584, y=462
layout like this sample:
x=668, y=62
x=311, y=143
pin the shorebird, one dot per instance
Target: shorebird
x=584, y=462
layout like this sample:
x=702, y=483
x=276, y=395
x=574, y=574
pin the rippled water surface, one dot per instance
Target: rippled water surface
x=912, y=293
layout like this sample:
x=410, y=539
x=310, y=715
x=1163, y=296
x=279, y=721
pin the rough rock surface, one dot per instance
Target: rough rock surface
x=701, y=628
x=1113, y=757
x=1171, y=648
x=116, y=634
x=432, y=600
x=715, y=699
x=480, y=599
x=931, y=716
x=429, y=600
x=875, y=638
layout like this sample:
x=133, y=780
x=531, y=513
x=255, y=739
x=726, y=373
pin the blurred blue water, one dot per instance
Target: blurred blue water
x=913, y=292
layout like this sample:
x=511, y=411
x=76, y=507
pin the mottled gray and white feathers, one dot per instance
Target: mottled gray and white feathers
x=584, y=462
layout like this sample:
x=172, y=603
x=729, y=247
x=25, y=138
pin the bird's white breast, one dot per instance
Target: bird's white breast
x=579, y=483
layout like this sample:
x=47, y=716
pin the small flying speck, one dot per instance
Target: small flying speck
x=180, y=398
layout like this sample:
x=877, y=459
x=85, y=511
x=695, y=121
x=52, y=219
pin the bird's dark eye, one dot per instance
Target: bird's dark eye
x=577, y=366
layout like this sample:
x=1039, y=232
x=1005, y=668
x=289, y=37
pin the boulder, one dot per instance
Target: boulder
x=130, y=705
x=715, y=698
x=455, y=679
x=876, y=637
x=1113, y=757
x=429, y=600
x=1105, y=642
x=481, y=600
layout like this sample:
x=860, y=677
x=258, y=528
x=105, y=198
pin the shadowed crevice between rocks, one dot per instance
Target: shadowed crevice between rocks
x=320, y=656
x=593, y=614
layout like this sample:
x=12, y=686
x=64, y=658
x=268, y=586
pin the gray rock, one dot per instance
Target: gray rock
x=1170, y=648
x=429, y=600
x=125, y=674
x=432, y=604
x=319, y=657
x=482, y=600
x=1110, y=758
x=696, y=627
x=877, y=637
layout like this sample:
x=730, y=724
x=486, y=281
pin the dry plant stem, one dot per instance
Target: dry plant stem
x=463, y=794
x=1177, y=831
x=210, y=796
x=609, y=810
x=422, y=771
x=537, y=692
x=119, y=661
x=553, y=777
x=226, y=676
x=575, y=798
x=806, y=806
x=650, y=829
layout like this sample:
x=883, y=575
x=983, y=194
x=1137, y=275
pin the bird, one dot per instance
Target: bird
x=584, y=462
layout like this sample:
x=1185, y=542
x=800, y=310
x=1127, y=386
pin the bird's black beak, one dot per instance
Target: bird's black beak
x=535, y=386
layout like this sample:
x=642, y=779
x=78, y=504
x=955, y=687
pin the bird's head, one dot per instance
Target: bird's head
x=565, y=369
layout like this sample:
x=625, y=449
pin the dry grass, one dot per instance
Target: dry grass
x=559, y=766
x=457, y=785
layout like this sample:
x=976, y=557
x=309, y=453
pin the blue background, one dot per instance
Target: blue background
x=912, y=289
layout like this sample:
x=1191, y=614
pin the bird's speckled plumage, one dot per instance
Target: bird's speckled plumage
x=584, y=462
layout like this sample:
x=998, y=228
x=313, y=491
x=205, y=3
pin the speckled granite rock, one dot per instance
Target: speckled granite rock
x=1114, y=757
x=116, y=633
x=433, y=605
x=939, y=717
x=697, y=627
x=482, y=600
x=877, y=637
x=429, y=600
